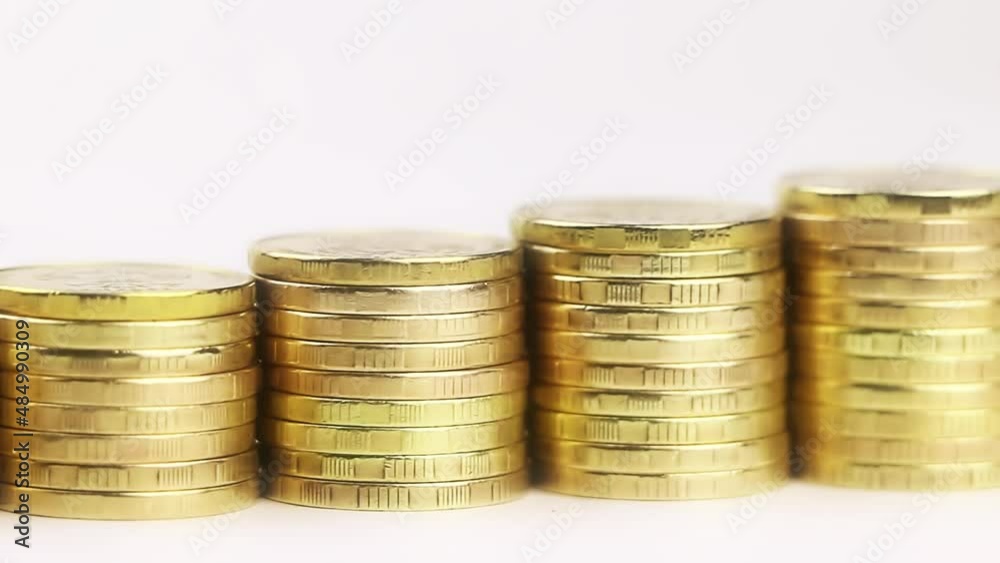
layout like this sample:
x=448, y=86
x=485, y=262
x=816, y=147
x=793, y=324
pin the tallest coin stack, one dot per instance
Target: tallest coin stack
x=897, y=334
x=396, y=369
x=659, y=348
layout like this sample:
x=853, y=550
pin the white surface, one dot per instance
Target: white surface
x=557, y=87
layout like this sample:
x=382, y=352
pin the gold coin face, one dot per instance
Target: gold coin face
x=393, y=414
x=438, y=356
x=159, y=505
x=643, y=460
x=123, y=292
x=637, y=225
x=390, y=441
x=648, y=212
x=399, y=468
x=711, y=263
x=886, y=193
x=396, y=496
x=910, y=477
x=180, y=476
x=962, y=449
x=660, y=431
x=661, y=377
x=138, y=391
x=388, y=257
x=96, y=364
x=683, y=404
x=91, y=449
x=664, y=486
x=814, y=419
x=414, y=385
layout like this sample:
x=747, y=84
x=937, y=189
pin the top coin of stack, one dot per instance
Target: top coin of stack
x=658, y=337
x=395, y=361
x=129, y=391
x=897, y=327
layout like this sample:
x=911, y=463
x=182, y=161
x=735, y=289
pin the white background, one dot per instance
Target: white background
x=894, y=87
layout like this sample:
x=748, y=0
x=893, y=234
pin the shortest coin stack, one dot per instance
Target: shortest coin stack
x=897, y=328
x=395, y=367
x=659, y=348
x=128, y=391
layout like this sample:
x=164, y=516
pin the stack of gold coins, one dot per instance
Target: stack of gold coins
x=396, y=370
x=659, y=348
x=128, y=391
x=897, y=328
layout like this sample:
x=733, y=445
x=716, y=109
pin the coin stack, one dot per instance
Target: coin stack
x=897, y=328
x=128, y=391
x=396, y=369
x=658, y=348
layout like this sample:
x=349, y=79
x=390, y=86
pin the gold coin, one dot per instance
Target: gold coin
x=632, y=349
x=896, y=314
x=708, y=402
x=828, y=364
x=646, y=225
x=887, y=193
x=457, y=384
x=952, y=287
x=123, y=292
x=159, y=505
x=391, y=441
x=397, y=497
x=400, y=468
x=395, y=328
x=965, y=449
x=899, y=343
x=394, y=414
x=109, y=335
x=393, y=357
x=710, y=263
x=879, y=232
x=897, y=259
x=874, y=423
x=75, y=419
x=662, y=377
x=669, y=486
x=936, y=477
x=922, y=396
x=659, y=321
x=181, y=476
x=139, y=392
x=386, y=257
x=398, y=300
x=641, y=460
x=117, y=450
x=659, y=431
x=694, y=292
x=130, y=363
